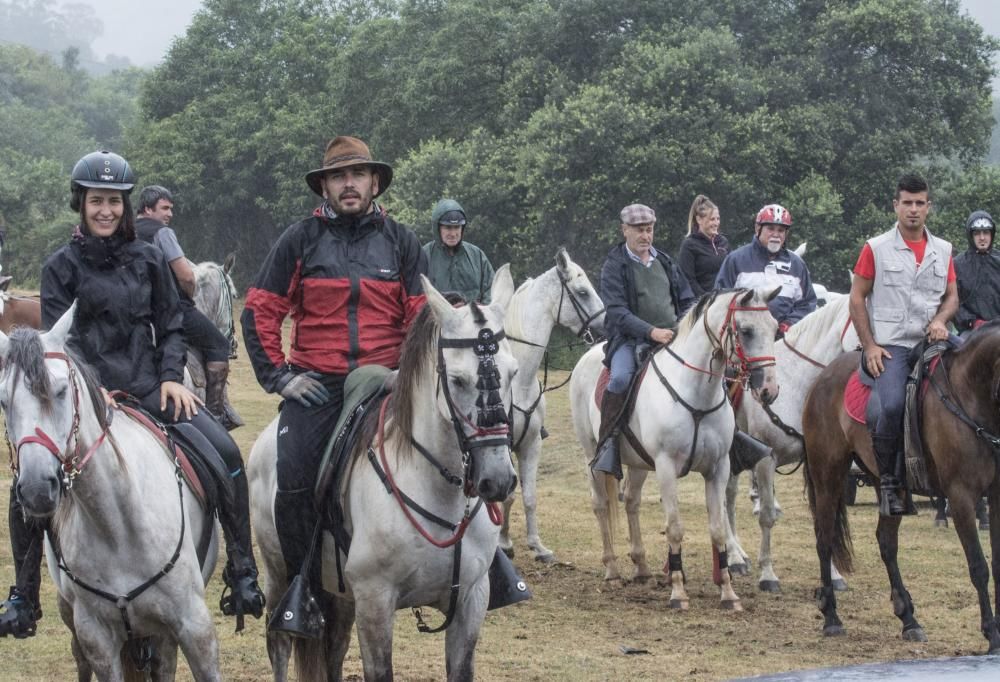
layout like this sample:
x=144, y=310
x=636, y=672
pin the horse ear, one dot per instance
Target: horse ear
x=60, y=330
x=503, y=289
x=747, y=297
x=800, y=250
x=438, y=303
x=562, y=260
x=773, y=294
x=227, y=265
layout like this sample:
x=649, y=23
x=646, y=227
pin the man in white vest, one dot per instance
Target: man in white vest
x=904, y=289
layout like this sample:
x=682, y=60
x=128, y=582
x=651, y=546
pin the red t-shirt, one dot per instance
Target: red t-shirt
x=865, y=267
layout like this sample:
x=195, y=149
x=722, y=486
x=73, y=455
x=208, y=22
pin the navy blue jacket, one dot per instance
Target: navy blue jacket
x=619, y=296
x=752, y=267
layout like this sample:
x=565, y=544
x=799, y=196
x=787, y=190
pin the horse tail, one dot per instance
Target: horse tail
x=840, y=544
x=310, y=657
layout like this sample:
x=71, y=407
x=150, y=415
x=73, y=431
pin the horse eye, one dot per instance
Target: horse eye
x=747, y=332
x=61, y=393
x=582, y=293
x=458, y=382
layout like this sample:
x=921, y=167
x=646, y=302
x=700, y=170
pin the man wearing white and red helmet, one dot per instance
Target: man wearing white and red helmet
x=765, y=262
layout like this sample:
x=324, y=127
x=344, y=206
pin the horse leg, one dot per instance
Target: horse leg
x=717, y=526
x=994, y=510
x=963, y=513
x=164, y=664
x=887, y=533
x=99, y=645
x=825, y=522
x=506, y=544
x=604, y=501
x=766, y=519
x=462, y=635
x=675, y=536
x=633, y=501
x=196, y=635
x=838, y=581
x=739, y=561
x=375, y=623
x=941, y=515
x=527, y=464
x=84, y=673
x=339, y=615
x=279, y=650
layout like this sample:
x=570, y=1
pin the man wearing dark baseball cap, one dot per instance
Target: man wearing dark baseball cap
x=645, y=294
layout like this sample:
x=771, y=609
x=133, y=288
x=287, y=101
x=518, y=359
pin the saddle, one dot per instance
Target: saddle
x=364, y=390
x=203, y=469
x=857, y=394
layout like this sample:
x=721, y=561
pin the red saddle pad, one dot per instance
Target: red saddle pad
x=856, y=396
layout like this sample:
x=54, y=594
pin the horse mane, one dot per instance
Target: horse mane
x=811, y=329
x=414, y=361
x=695, y=312
x=512, y=321
x=27, y=354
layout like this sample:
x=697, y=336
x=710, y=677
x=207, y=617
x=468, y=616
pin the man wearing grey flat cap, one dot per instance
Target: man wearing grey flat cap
x=646, y=294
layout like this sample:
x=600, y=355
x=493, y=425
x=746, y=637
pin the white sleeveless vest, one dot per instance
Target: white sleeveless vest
x=905, y=298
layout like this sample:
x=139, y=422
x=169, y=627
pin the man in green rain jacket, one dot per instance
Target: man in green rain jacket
x=455, y=264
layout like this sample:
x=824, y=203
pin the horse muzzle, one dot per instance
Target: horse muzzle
x=492, y=473
x=39, y=497
x=764, y=384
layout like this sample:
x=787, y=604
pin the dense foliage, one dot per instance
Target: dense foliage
x=544, y=117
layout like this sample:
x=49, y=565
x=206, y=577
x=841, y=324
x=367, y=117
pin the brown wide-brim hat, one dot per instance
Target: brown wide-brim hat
x=344, y=152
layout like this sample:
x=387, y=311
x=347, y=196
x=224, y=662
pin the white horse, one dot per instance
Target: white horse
x=561, y=295
x=432, y=409
x=214, y=296
x=684, y=422
x=122, y=526
x=806, y=349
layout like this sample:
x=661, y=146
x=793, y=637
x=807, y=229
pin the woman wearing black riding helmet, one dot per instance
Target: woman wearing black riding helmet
x=129, y=328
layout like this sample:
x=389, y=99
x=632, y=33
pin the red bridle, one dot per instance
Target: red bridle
x=728, y=333
x=70, y=459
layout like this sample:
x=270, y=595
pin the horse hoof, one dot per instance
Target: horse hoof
x=509, y=551
x=839, y=585
x=833, y=630
x=680, y=604
x=739, y=569
x=915, y=635
x=731, y=605
x=549, y=558
x=940, y=523
x=772, y=586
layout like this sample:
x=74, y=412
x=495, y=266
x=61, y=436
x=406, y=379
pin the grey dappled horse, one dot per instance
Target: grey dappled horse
x=562, y=295
x=684, y=422
x=398, y=558
x=114, y=501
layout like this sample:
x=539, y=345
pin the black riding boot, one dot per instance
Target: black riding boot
x=890, y=501
x=240, y=575
x=297, y=612
x=607, y=459
x=216, y=374
x=21, y=610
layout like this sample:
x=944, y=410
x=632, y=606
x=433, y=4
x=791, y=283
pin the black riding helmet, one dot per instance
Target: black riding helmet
x=980, y=220
x=102, y=169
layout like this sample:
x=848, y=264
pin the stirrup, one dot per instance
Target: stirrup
x=241, y=596
x=297, y=612
x=18, y=617
x=890, y=503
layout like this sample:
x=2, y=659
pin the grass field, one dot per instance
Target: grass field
x=574, y=626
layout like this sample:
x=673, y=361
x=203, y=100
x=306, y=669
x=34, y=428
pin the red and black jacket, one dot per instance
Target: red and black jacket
x=352, y=287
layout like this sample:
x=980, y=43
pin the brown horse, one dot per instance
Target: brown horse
x=960, y=416
x=19, y=311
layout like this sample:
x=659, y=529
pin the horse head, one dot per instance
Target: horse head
x=474, y=371
x=214, y=296
x=580, y=309
x=745, y=335
x=40, y=393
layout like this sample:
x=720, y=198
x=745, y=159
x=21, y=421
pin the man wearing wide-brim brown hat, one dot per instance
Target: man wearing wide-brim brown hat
x=344, y=152
x=349, y=277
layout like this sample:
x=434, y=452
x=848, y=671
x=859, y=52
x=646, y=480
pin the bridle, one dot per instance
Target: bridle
x=585, y=333
x=70, y=459
x=491, y=428
x=225, y=304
